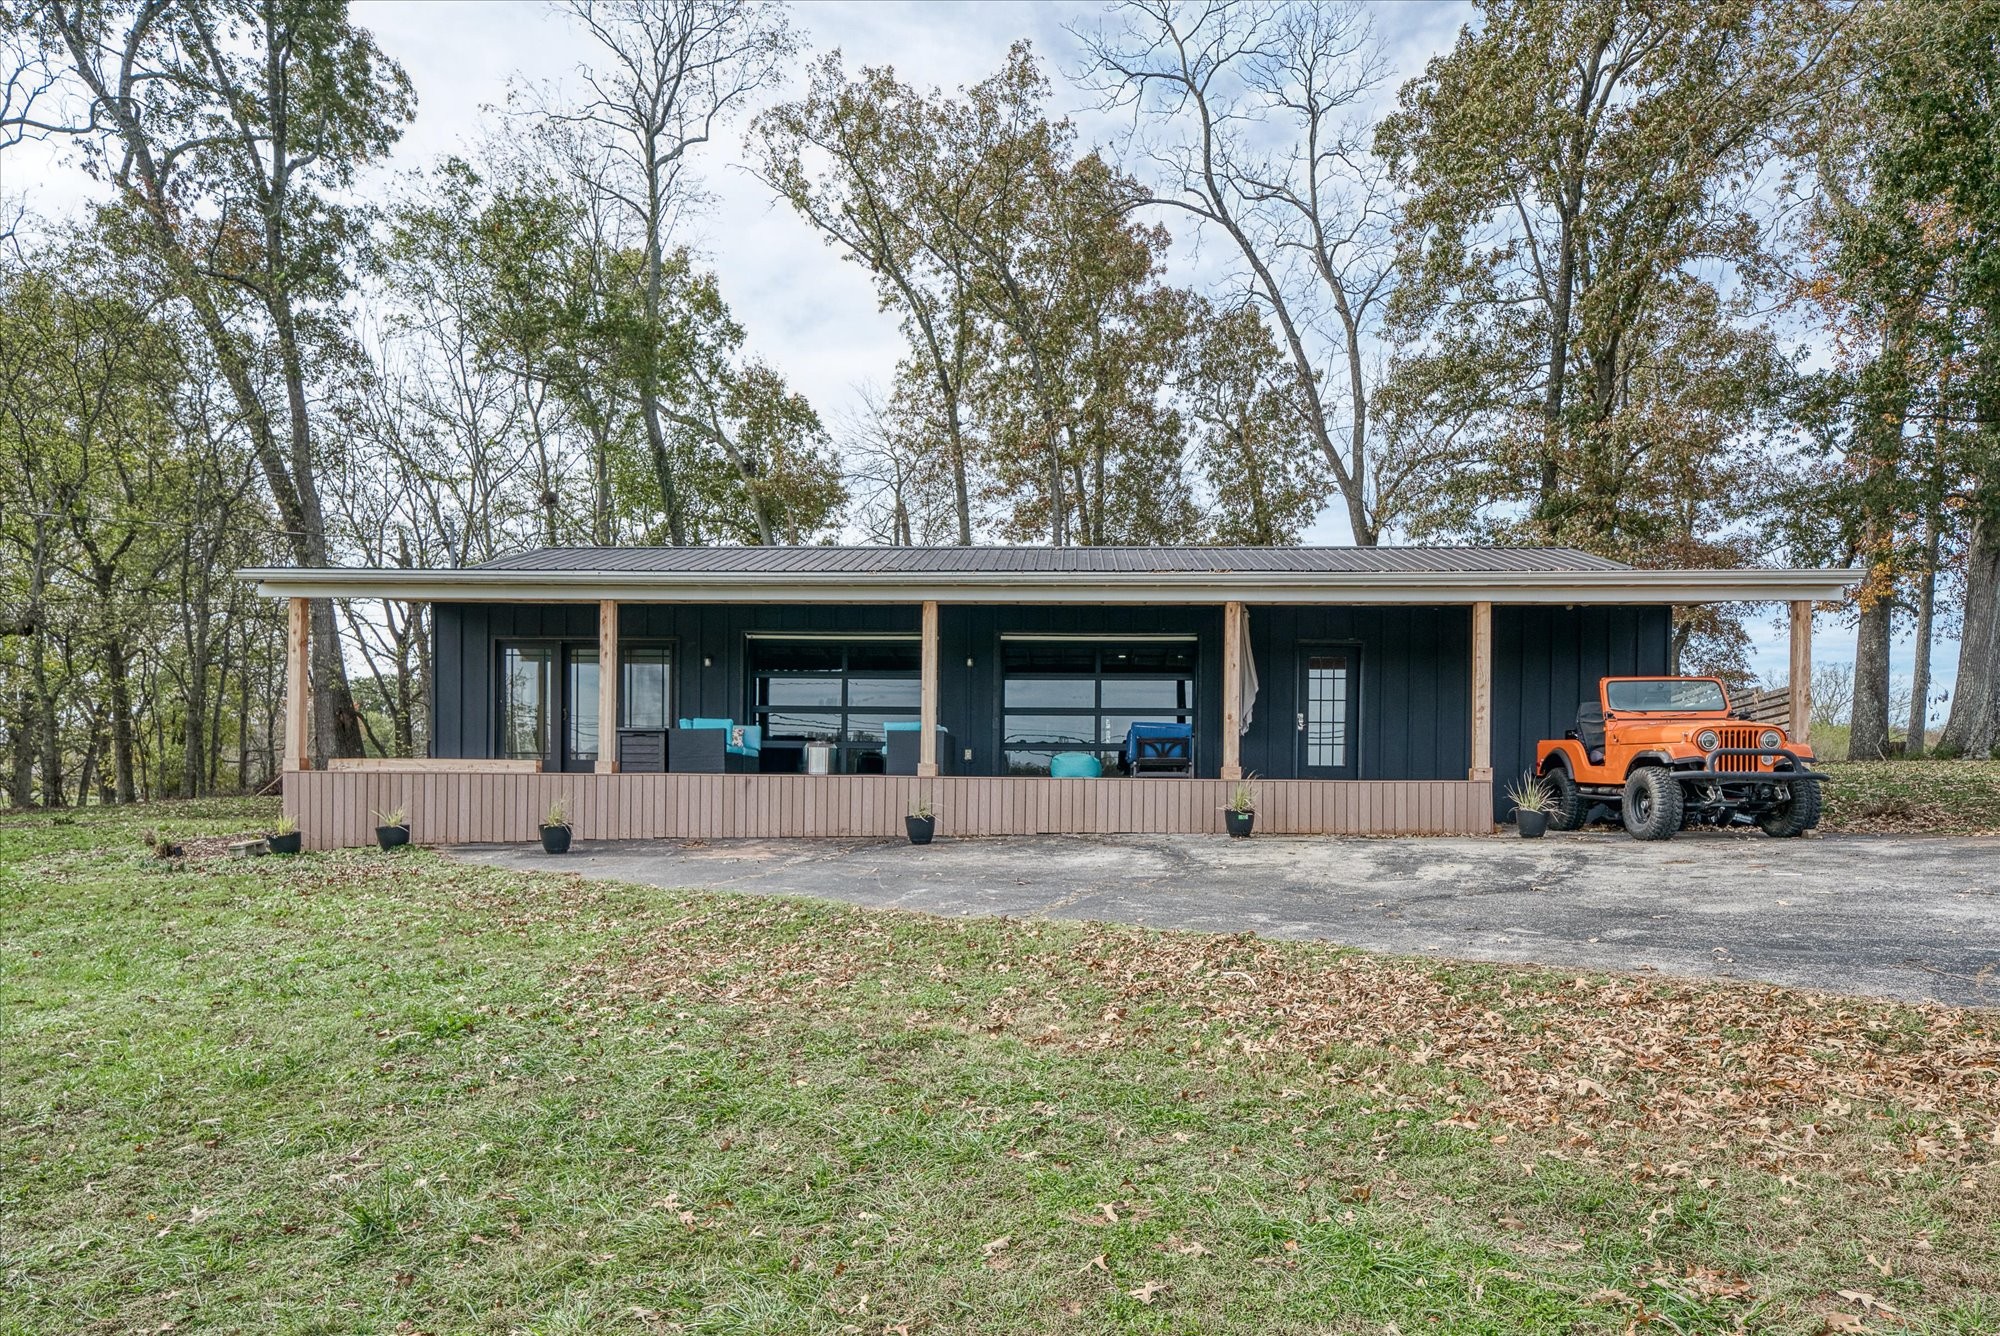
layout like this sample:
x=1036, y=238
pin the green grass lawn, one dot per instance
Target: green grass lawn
x=369, y=1093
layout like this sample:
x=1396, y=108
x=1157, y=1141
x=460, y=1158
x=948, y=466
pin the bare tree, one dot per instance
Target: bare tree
x=904, y=490
x=673, y=72
x=1248, y=115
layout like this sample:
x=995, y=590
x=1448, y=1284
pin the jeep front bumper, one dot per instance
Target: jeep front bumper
x=1795, y=771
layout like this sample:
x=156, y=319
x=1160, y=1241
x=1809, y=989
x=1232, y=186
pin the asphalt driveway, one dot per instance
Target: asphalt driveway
x=1910, y=918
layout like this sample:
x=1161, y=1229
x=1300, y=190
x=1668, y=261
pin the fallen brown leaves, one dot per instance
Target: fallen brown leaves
x=1527, y=1048
x=1657, y=1054
x=1913, y=797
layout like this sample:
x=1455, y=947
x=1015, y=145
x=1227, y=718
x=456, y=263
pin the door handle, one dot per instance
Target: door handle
x=1301, y=717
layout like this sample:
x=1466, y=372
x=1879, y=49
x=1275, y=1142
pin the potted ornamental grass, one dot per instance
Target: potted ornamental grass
x=284, y=837
x=1241, y=813
x=921, y=823
x=555, y=828
x=392, y=829
x=1531, y=806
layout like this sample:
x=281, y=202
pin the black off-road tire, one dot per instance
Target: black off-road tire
x=1653, y=804
x=1567, y=805
x=1796, y=817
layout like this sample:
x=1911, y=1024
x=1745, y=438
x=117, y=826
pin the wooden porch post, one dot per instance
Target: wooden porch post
x=927, y=718
x=1482, y=691
x=607, y=687
x=1232, y=691
x=1802, y=619
x=298, y=685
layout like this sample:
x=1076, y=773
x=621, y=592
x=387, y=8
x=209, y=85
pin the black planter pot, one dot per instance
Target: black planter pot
x=1239, y=823
x=392, y=837
x=555, y=839
x=921, y=828
x=285, y=844
x=1533, y=824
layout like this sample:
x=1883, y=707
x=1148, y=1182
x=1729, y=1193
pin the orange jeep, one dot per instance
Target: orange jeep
x=1666, y=754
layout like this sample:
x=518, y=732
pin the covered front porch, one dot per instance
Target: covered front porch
x=1361, y=693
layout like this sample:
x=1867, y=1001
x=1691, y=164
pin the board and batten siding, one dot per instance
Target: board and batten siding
x=1415, y=683
x=1415, y=679
x=1547, y=661
x=334, y=808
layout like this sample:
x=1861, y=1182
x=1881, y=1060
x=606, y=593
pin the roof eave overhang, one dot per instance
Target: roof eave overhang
x=1558, y=587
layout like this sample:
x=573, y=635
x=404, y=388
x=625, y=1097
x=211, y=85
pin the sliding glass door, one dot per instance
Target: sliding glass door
x=548, y=699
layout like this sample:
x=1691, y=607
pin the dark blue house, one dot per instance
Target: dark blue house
x=815, y=690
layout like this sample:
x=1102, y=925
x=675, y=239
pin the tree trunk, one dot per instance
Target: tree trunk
x=334, y=718
x=48, y=727
x=21, y=787
x=1969, y=723
x=1920, y=674
x=194, y=734
x=118, y=686
x=1868, y=735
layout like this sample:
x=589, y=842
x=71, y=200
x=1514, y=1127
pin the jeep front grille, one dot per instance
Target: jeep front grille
x=1739, y=737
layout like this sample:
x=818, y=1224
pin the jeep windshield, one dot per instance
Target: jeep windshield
x=1666, y=694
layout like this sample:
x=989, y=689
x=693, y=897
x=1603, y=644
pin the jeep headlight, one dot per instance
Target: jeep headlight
x=1707, y=739
x=1770, y=737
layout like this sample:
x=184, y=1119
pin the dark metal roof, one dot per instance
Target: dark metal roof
x=1044, y=560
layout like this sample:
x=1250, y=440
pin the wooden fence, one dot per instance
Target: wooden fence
x=1766, y=707
x=335, y=808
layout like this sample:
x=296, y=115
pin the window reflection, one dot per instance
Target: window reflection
x=645, y=677
x=525, y=678
x=1065, y=696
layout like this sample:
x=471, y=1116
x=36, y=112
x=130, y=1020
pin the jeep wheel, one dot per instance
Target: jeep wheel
x=1567, y=805
x=1795, y=816
x=1652, y=804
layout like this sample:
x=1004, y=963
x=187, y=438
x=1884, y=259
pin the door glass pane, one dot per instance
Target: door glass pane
x=525, y=672
x=642, y=700
x=868, y=725
x=1326, y=711
x=1140, y=693
x=884, y=693
x=1030, y=729
x=1116, y=726
x=801, y=725
x=1051, y=693
x=800, y=691
x=1028, y=762
x=582, y=705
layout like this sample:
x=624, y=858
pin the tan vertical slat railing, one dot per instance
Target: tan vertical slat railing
x=334, y=807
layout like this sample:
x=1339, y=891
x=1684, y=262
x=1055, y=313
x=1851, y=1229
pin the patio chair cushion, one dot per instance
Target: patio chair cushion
x=1075, y=765
x=752, y=734
x=1157, y=746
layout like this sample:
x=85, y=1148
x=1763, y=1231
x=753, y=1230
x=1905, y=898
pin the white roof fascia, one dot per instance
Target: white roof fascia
x=1755, y=585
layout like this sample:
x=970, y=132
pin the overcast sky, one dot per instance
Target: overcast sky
x=809, y=313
